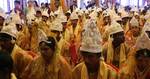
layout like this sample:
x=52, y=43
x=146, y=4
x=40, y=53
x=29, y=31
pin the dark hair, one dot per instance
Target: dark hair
x=84, y=53
x=2, y=17
x=6, y=37
x=16, y=1
x=6, y=62
x=38, y=11
x=36, y=4
x=46, y=5
x=142, y=52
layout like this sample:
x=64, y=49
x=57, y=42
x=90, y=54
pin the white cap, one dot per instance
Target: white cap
x=56, y=12
x=69, y=11
x=99, y=9
x=143, y=42
x=45, y=13
x=93, y=15
x=117, y=18
x=136, y=14
x=124, y=14
x=52, y=13
x=64, y=19
x=91, y=38
x=86, y=12
x=146, y=26
x=56, y=25
x=134, y=22
x=14, y=18
x=114, y=28
x=80, y=12
x=41, y=35
x=74, y=16
x=11, y=30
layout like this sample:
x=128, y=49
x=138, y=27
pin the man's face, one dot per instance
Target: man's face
x=42, y=5
x=143, y=59
x=38, y=14
x=44, y=18
x=135, y=30
x=107, y=20
x=46, y=51
x=74, y=21
x=17, y=5
x=6, y=46
x=30, y=3
x=90, y=59
x=118, y=38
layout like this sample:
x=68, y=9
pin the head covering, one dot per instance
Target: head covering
x=7, y=34
x=143, y=42
x=80, y=13
x=45, y=13
x=14, y=18
x=114, y=28
x=69, y=11
x=134, y=22
x=99, y=9
x=117, y=18
x=50, y=41
x=136, y=14
x=91, y=38
x=56, y=12
x=10, y=30
x=86, y=12
x=57, y=26
x=61, y=15
x=41, y=35
x=146, y=26
x=74, y=16
x=63, y=18
x=124, y=14
x=52, y=13
x=93, y=15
